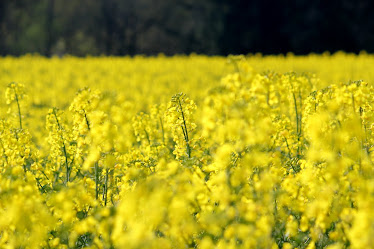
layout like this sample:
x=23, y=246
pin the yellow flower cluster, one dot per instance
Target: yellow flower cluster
x=244, y=158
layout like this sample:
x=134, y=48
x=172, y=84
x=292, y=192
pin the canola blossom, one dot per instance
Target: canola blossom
x=187, y=152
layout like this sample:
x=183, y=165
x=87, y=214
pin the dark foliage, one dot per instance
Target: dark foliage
x=129, y=27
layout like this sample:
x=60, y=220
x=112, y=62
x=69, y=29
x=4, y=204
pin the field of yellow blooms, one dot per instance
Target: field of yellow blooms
x=187, y=152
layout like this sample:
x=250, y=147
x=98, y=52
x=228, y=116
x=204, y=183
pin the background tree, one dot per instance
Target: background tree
x=129, y=27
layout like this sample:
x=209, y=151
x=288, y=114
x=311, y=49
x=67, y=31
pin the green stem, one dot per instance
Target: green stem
x=96, y=180
x=106, y=186
x=353, y=103
x=162, y=129
x=299, y=148
x=63, y=148
x=185, y=132
x=298, y=127
x=97, y=169
x=296, y=113
x=147, y=136
x=288, y=147
x=88, y=123
x=19, y=109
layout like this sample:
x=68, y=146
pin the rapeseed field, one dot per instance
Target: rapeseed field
x=187, y=152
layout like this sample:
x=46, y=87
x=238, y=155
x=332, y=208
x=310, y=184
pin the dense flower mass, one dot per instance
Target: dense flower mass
x=255, y=153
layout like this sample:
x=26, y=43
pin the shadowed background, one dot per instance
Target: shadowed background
x=213, y=27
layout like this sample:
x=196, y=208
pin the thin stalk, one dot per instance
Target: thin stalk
x=162, y=129
x=19, y=109
x=96, y=180
x=294, y=169
x=268, y=97
x=45, y=174
x=299, y=148
x=296, y=113
x=16, y=136
x=63, y=148
x=288, y=147
x=353, y=103
x=298, y=128
x=97, y=170
x=185, y=132
x=56, y=175
x=365, y=139
x=106, y=186
x=147, y=136
x=40, y=186
x=88, y=123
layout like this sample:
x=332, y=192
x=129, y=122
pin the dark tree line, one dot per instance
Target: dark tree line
x=129, y=27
